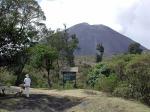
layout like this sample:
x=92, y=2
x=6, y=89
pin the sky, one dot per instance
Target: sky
x=129, y=17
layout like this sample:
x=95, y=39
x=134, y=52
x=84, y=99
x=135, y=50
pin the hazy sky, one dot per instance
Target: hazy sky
x=129, y=17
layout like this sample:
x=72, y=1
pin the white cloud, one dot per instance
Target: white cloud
x=76, y=11
x=135, y=22
x=117, y=14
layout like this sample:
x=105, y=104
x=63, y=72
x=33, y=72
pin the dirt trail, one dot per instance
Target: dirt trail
x=78, y=100
x=79, y=93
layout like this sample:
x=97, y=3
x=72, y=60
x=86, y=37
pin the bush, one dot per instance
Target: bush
x=132, y=79
x=97, y=72
x=68, y=85
x=138, y=72
x=137, y=78
x=6, y=77
x=106, y=84
x=58, y=86
x=82, y=75
x=123, y=90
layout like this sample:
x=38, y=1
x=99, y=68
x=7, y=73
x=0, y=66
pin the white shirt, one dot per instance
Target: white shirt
x=27, y=81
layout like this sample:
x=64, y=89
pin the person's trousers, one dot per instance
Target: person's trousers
x=27, y=90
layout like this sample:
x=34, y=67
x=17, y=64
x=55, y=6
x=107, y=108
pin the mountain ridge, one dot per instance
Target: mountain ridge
x=90, y=35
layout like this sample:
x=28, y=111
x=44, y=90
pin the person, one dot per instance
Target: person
x=27, y=82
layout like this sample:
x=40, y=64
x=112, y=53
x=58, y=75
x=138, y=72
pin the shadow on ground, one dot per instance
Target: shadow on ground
x=38, y=103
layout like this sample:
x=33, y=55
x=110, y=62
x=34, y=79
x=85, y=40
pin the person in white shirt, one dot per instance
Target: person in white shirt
x=27, y=82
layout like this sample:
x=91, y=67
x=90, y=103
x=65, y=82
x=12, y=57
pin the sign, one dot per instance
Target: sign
x=69, y=76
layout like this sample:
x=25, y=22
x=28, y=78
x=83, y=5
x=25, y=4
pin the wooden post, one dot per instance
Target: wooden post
x=63, y=79
x=75, y=84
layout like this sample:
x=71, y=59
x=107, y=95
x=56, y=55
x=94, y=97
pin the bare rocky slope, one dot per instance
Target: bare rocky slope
x=90, y=35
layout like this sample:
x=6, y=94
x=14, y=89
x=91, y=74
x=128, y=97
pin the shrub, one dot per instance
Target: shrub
x=132, y=79
x=96, y=73
x=69, y=85
x=6, y=77
x=106, y=84
x=138, y=72
x=137, y=85
x=123, y=90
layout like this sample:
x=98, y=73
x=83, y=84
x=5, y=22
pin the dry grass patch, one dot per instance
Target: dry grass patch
x=109, y=104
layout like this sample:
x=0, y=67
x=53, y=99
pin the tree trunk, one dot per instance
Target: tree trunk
x=58, y=69
x=48, y=78
x=18, y=80
x=19, y=75
x=20, y=61
x=101, y=55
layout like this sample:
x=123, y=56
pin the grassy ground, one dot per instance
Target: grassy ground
x=69, y=101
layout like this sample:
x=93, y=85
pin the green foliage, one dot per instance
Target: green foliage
x=95, y=73
x=134, y=48
x=20, y=23
x=106, y=84
x=6, y=78
x=131, y=79
x=98, y=58
x=118, y=64
x=65, y=44
x=38, y=77
x=59, y=85
x=82, y=75
x=40, y=54
x=68, y=85
x=100, y=49
x=123, y=90
x=138, y=72
x=43, y=57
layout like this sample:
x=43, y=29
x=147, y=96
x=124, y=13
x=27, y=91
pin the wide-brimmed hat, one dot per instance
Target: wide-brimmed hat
x=27, y=75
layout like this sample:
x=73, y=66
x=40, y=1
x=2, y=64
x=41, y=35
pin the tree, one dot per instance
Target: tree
x=100, y=49
x=134, y=48
x=64, y=43
x=43, y=57
x=21, y=24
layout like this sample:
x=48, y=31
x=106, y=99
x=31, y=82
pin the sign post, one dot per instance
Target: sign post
x=69, y=74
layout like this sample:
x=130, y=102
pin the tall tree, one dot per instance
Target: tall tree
x=42, y=56
x=135, y=48
x=100, y=53
x=65, y=44
x=21, y=24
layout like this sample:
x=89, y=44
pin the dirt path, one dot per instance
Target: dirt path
x=78, y=100
x=78, y=93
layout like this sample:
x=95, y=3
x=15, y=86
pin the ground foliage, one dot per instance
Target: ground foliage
x=124, y=76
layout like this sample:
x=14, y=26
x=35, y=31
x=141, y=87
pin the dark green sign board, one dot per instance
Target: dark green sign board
x=69, y=76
